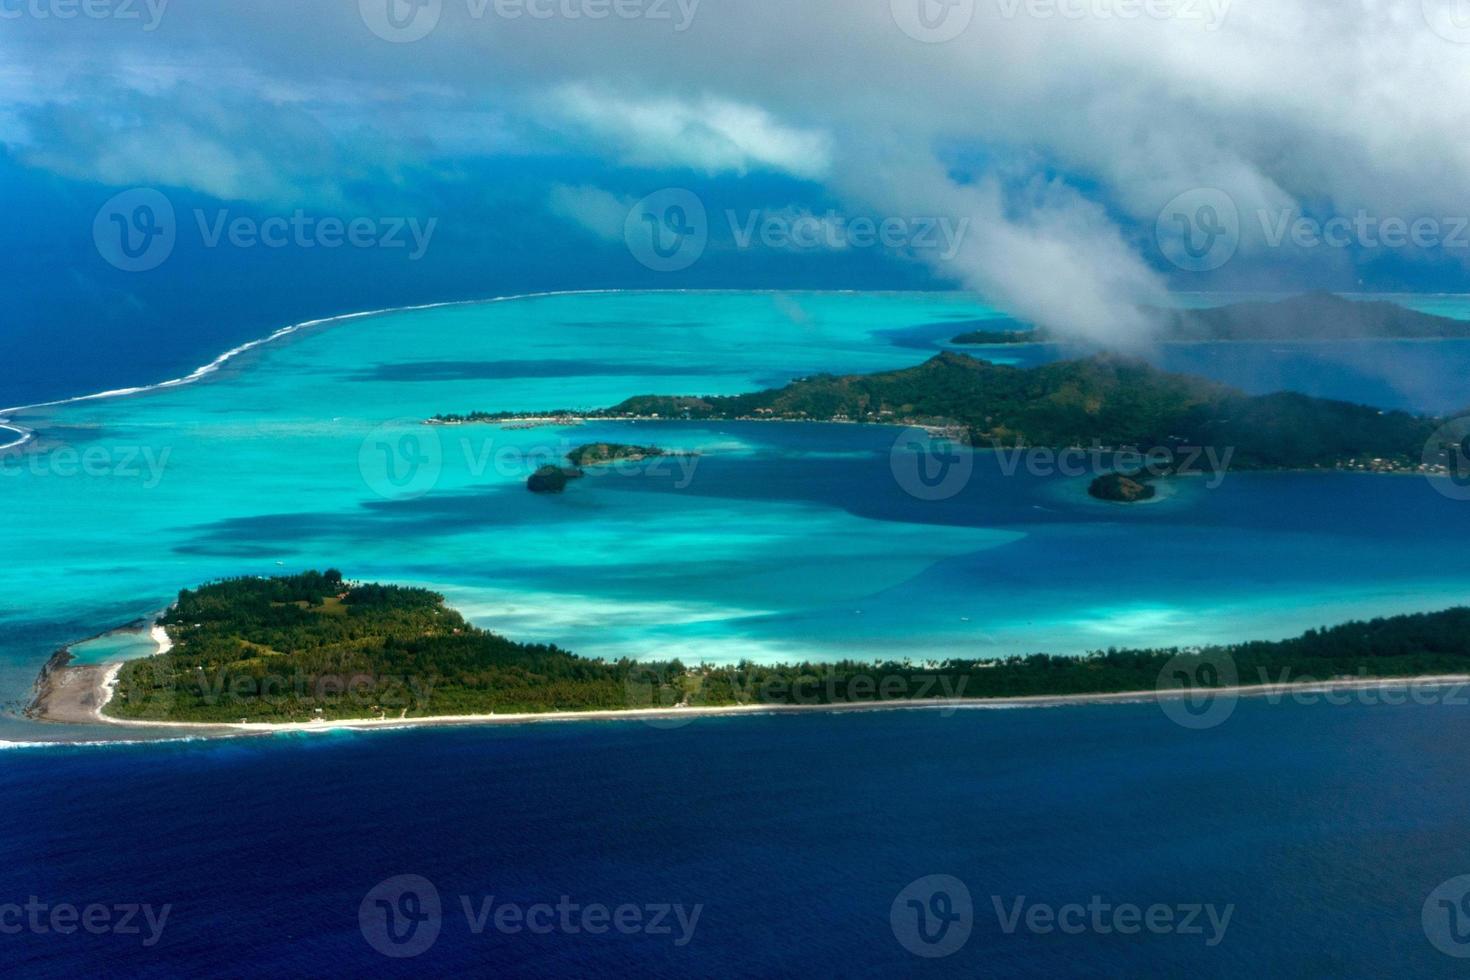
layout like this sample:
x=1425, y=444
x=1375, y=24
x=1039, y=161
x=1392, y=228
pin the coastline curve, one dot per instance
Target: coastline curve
x=213, y=367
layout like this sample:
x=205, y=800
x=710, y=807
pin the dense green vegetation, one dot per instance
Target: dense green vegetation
x=1000, y=337
x=1123, y=488
x=552, y=479
x=600, y=453
x=312, y=646
x=472, y=417
x=277, y=650
x=1102, y=401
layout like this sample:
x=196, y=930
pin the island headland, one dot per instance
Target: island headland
x=311, y=650
x=1313, y=316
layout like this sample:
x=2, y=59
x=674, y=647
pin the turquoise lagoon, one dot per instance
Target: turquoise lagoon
x=778, y=541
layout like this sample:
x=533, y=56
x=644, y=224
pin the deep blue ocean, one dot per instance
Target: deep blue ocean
x=1326, y=827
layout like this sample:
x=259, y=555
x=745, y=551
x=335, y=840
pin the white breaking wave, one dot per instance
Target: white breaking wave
x=103, y=743
x=26, y=435
x=234, y=352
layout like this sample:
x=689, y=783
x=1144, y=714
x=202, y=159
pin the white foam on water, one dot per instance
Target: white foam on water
x=214, y=366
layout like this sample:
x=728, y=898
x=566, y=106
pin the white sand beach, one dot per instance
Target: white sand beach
x=1419, y=688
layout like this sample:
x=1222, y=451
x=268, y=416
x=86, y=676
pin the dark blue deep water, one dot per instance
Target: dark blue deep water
x=1325, y=826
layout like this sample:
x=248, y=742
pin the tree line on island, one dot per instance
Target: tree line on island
x=1104, y=401
x=316, y=647
x=554, y=479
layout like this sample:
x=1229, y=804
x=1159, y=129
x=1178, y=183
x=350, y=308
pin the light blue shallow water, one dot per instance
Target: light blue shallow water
x=124, y=644
x=780, y=540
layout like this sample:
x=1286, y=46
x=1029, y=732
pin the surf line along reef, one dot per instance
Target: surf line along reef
x=314, y=649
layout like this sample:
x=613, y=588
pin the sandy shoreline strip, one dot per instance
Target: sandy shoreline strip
x=107, y=686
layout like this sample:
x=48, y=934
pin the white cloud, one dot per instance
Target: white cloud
x=711, y=135
x=1044, y=252
x=594, y=209
x=1086, y=127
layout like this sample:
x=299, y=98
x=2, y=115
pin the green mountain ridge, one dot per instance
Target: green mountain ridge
x=1312, y=316
x=1104, y=400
